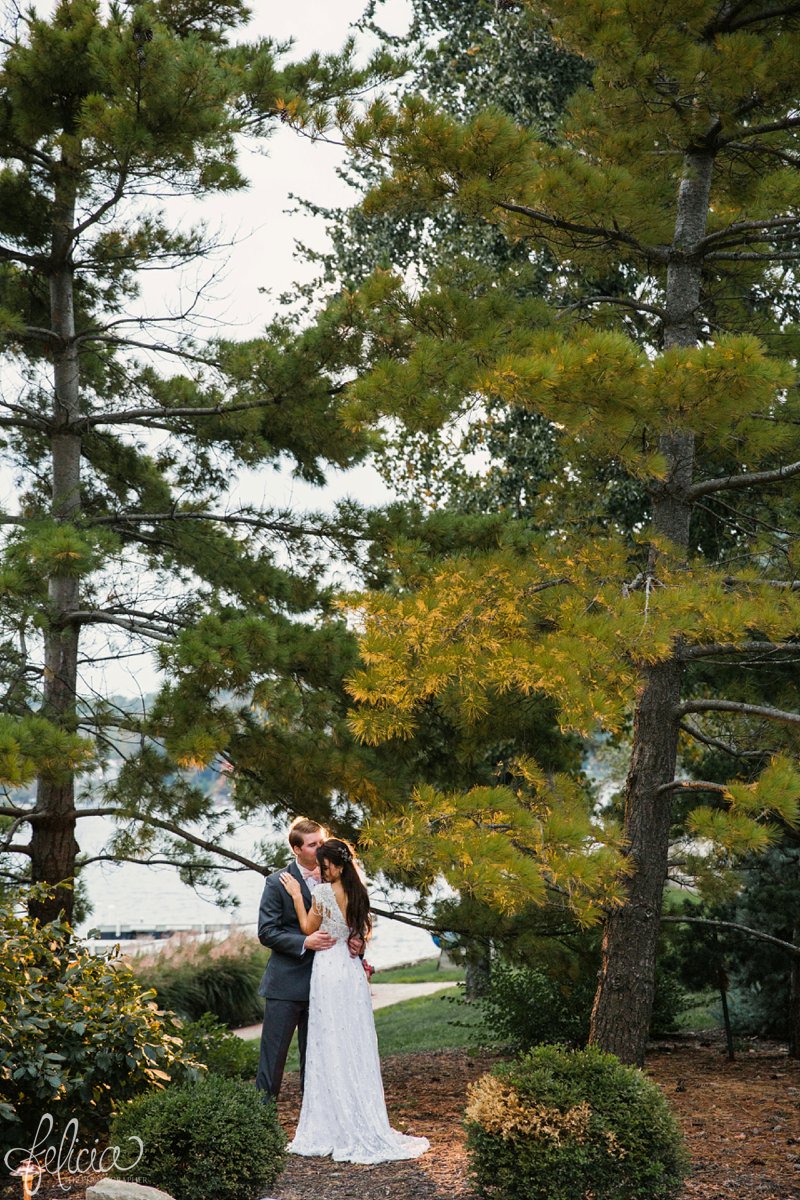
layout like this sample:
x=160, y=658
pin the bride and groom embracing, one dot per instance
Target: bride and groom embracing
x=314, y=917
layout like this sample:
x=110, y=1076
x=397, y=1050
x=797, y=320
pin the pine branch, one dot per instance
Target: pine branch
x=15, y=849
x=155, y=348
x=10, y=832
x=135, y=415
x=746, y=256
x=595, y=234
x=158, y=862
x=30, y=260
x=734, y=706
x=240, y=518
x=749, y=131
x=107, y=205
x=24, y=423
x=403, y=919
x=789, y=947
x=761, y=233
x=766, y=14
x=716, y=744
x=791, y=585
x=97, y=617
x=786, y=156
x=753, y=478
x=624, y=302
x=691, y=785
x=737, y=648
x=746, y=227
x=170, y=827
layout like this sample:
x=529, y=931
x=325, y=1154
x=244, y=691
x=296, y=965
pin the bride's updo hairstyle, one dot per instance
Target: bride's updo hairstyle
x=341, y=854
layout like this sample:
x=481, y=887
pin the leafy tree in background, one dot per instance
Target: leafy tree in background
x=681, y=164
x=117, y=544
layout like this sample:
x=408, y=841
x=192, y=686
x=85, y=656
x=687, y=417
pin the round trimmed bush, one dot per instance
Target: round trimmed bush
x=211, y=1140
x=563, y=1125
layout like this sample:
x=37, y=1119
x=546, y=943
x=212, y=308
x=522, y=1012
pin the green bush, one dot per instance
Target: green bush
x=212, y=1140
x=198, y=977
x=524, y=1007
x=563, y=1125
x=78, y=1034
x=213, y=1044
x=670, y=1002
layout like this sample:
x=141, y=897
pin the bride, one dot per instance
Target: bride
x=344, y=1111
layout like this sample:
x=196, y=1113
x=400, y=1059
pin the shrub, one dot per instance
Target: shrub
x=524, y=1007
x=80, y=1034
x=221, y=1051
x=669, y=1003
x=212, y=1140
x=193, y=978
x=563, y=1125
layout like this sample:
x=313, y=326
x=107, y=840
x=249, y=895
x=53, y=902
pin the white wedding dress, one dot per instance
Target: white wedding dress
x=344, y=1111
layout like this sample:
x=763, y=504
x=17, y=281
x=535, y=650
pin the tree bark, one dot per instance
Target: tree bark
x=794, y=999
x=624, y=1000
x=53, y=846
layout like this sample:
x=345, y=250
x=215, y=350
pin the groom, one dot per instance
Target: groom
x=286, y=981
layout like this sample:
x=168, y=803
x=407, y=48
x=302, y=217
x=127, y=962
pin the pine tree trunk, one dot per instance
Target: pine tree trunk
x=53, y=846
x=794, y=999
x=478, y=971
x=624, y=1000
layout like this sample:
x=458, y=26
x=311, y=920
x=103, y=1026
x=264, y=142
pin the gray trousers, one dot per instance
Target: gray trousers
x=281, y=1018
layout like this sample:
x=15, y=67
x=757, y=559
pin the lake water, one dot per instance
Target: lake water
x=128, y=897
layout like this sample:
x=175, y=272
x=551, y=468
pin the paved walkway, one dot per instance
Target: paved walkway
x=383, y=994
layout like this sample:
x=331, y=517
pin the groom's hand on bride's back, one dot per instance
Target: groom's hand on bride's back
x=319, y=941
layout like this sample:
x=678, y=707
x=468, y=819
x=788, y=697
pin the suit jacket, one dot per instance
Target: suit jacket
x=288, y=973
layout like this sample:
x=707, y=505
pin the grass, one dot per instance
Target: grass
x=428, y=1023
x=424, y=972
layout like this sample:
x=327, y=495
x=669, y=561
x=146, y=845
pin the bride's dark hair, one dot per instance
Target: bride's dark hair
x=342, y=854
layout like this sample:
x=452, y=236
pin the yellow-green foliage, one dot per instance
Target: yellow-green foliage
x=506, y=846
x=30, y=746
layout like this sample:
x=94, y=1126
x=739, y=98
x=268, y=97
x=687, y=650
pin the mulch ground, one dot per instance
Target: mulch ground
x=741, y=1121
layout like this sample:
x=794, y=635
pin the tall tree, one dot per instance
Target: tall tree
x=680, y=162
x=107, y=113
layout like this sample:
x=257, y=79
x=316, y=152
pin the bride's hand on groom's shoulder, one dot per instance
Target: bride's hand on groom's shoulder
x=290, y=883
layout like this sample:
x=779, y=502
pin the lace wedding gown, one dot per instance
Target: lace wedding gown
x=344, y=1111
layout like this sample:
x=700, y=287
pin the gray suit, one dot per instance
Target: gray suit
x=286, y=981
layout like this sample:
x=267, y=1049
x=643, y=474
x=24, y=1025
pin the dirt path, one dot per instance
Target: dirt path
x=383, y=994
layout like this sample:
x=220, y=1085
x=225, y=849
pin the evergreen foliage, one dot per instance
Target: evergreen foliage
x=678, y=168
x=117, y=543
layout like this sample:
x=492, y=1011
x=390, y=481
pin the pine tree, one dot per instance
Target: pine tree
x=680, y=166
x=119, y=530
